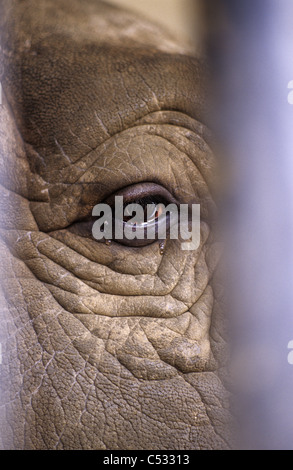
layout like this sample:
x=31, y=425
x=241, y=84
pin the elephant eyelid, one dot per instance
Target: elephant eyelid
x=143, y=191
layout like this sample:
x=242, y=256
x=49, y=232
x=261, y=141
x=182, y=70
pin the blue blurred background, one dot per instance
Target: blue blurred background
x=250, y=49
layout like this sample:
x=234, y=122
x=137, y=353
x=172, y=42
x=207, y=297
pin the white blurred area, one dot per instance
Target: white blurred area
x=182, y=18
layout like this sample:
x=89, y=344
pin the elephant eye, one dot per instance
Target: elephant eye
x=153, y=223
x=141, y=213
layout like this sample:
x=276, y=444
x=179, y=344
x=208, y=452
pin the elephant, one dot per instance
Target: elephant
x=105, y=345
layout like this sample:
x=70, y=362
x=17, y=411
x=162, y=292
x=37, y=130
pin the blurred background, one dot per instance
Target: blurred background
x=249, y=47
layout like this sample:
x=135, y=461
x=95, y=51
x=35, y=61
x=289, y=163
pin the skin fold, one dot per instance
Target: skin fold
x=103, y=346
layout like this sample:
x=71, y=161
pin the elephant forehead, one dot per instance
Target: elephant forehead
x=84, y=74
x=79, y=95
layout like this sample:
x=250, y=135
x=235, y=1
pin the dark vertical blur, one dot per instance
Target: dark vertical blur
x=249, y=44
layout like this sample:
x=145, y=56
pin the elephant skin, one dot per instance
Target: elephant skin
x=104, y=346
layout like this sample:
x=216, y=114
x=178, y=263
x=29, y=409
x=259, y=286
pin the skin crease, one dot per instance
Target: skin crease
x=104, y=346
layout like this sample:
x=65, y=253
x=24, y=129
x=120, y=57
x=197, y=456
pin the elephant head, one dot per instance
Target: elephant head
x=105, y=346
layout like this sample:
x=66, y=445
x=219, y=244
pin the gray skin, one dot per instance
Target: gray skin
x=103, y=346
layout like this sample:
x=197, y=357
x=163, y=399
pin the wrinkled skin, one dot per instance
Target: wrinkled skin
x=104, y=347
